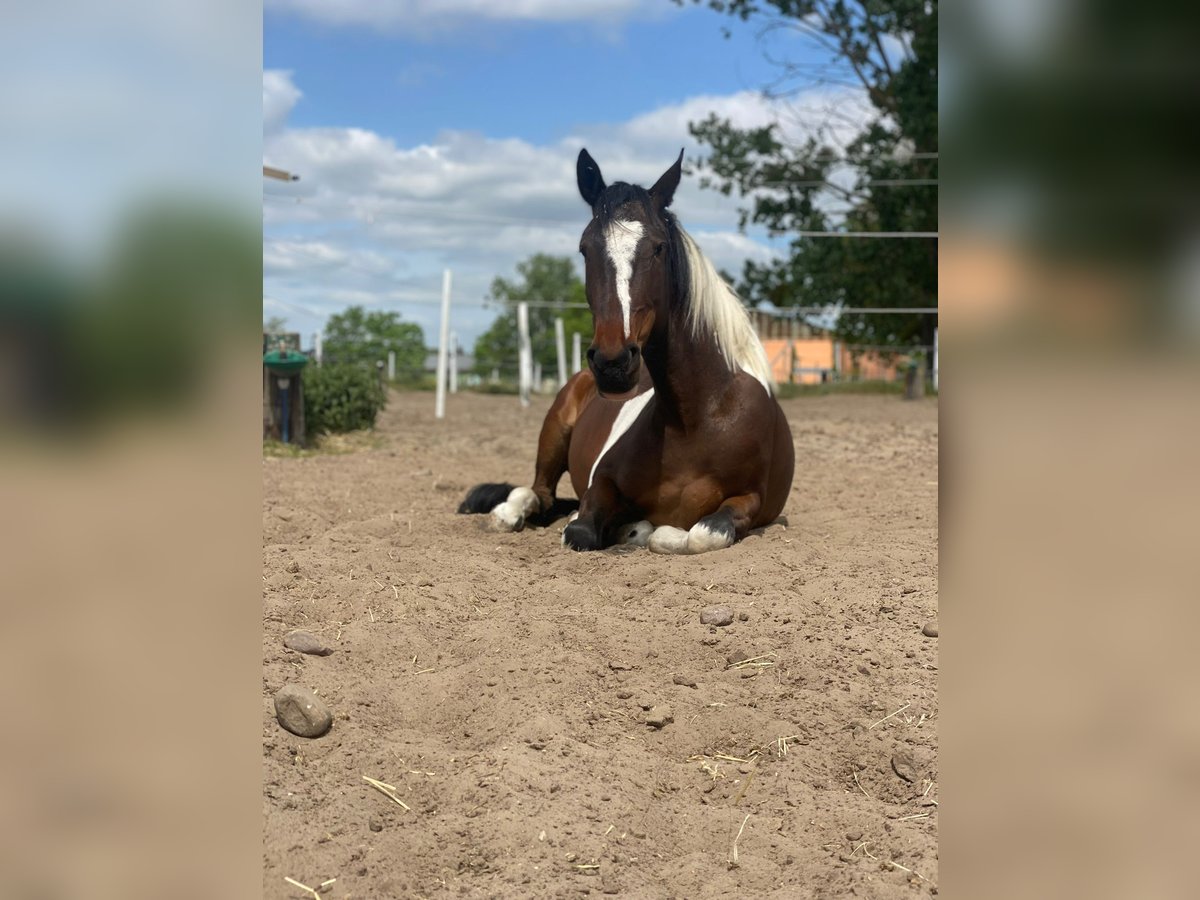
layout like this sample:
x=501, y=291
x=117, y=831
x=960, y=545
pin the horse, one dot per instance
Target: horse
x=672, y=435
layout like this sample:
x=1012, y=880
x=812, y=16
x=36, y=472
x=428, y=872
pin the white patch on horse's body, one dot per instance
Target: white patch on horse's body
x=627, y=415
x=621, y=240
x=511, y=514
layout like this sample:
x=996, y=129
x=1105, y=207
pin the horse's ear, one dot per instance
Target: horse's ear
x=591, y=182
x=664, y=189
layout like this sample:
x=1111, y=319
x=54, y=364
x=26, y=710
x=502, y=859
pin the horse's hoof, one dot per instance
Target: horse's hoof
x=668, y=539
x=637, y=534
x=713, y=532
x=511, y=514
x=581, y=536
x=506, y=517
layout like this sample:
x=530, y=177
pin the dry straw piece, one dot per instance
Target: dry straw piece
x=387, y=790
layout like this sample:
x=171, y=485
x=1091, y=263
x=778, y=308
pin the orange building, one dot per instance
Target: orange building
x=818, y=358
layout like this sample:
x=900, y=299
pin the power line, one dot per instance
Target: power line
x=866, y=234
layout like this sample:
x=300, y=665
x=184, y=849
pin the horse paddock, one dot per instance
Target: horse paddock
x=558, y=724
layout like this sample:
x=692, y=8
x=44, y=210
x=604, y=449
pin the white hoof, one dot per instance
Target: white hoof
x=507, y=517
x=701, y=539
x=510, y=515
x=636, y=534
x=668, y=539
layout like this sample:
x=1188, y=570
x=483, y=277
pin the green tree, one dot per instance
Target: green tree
x=543, y=280
x=886, y=180
x=365, y=338
x=275, y=325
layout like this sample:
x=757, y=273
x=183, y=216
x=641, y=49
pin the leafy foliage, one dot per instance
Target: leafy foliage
x=886, y=181
x=543, y=279
x=365, y=338
x=340, y=398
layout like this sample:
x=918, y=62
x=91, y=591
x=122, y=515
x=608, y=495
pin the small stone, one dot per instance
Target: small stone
x=659, y=716
x=301, y=711
x=736, y=657
x=374, y=824
x=716, y=615
x=908, y=590
x=904, y=765
x=293, y=567
x=684, y=680
x=863, y=670
x=854, y=836
x=306, y=642
x=743, y=617
x=930, y=630
x=624, y=695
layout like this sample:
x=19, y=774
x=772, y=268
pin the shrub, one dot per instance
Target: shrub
x=340, y=398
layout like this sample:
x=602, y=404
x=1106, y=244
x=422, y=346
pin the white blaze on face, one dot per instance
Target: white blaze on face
x=621, y=240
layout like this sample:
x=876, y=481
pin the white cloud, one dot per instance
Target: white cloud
x=371, y=220
x=280, y=95
x=424, y=14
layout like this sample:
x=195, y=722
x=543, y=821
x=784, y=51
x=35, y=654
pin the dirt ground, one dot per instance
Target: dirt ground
x=500, y=682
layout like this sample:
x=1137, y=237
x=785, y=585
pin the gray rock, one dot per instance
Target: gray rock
x=930, y=630
x=301, y=711
x=904, y=765
x=306, y=642
x=659, y=716
x=716, y=615
x=684, y=680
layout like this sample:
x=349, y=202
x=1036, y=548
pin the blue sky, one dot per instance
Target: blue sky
x=442, y=133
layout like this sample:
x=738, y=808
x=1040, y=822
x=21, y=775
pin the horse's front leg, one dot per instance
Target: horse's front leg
x=592, y=527
x=716, y=531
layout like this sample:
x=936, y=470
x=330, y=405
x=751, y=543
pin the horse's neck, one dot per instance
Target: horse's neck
x=687, y=372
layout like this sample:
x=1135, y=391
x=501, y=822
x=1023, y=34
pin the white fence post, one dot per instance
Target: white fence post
x=525, y=353
x=443, y=346
x=935, y=359
x=318, y=346
x=560, y=344
x=575, y=359
x=391, y=365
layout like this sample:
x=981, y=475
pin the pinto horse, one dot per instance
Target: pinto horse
x=672, y=436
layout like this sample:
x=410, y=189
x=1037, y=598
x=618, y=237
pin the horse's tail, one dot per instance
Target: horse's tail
x=483, y=498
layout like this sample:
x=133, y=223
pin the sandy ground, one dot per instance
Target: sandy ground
x=500, y=682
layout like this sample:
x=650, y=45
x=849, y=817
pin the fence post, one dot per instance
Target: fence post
x=935, y=359
x=560, y=345
x=443, y=346
x=576, y=363
x=525, y=354
x=391, y=365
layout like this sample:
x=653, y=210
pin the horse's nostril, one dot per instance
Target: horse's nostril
x=634, y=351
x=591, y=354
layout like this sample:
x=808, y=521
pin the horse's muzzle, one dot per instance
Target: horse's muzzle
x=617, y=374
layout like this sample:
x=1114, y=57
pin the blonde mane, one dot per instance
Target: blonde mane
x=715, y=309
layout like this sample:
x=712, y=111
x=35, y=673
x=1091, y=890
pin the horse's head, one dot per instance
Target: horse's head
x=629, y=251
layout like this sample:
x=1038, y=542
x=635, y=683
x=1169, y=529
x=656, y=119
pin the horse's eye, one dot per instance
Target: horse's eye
x=658, y=249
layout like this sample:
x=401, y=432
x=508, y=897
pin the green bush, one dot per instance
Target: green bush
x=340, y=398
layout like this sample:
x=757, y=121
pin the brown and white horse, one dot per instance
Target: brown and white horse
x=672, y=435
